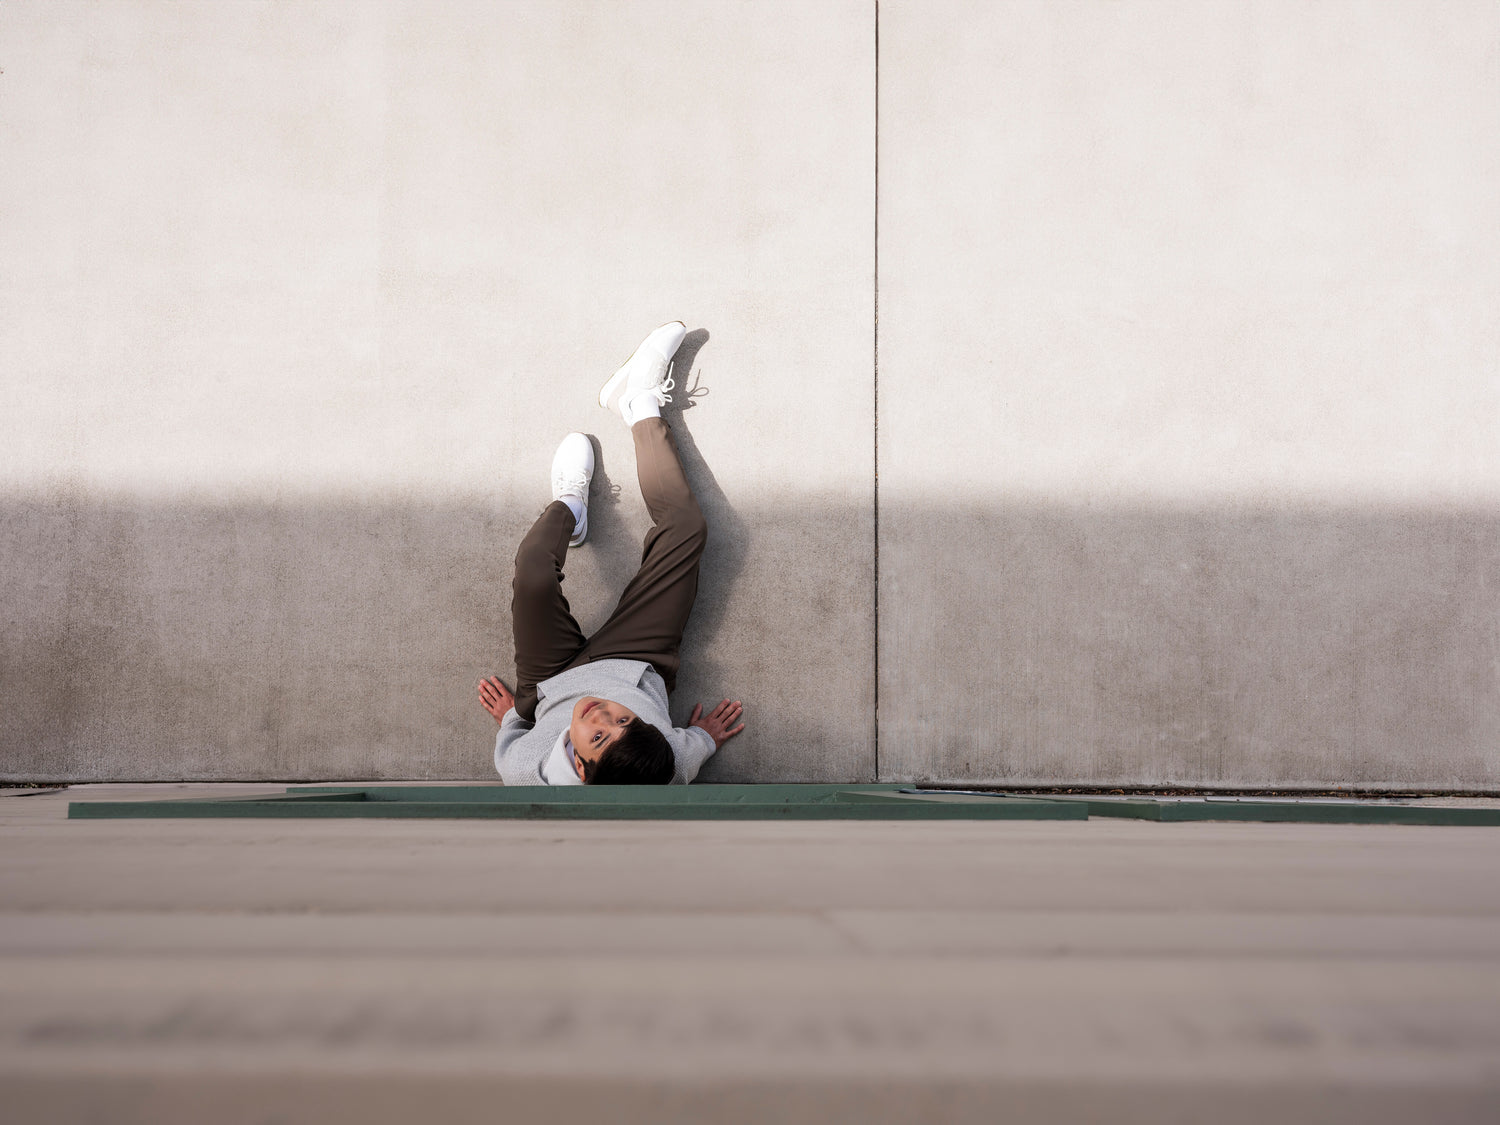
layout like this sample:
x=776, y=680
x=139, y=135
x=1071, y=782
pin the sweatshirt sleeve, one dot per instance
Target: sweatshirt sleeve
x=512, y=728
x=691, y=747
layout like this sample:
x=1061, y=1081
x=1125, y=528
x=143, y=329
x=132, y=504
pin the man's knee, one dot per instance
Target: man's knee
x=690, y=528
x=536, y=572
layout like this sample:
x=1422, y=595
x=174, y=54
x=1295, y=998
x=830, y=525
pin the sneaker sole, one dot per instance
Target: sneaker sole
x=612, y=385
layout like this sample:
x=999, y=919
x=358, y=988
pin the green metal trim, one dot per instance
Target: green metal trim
x=602, y=794
x=761, y=802
x=1294, y=812
x=1287, y=810
x=705, y=802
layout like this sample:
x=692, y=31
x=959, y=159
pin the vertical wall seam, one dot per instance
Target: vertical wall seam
x=875, y=389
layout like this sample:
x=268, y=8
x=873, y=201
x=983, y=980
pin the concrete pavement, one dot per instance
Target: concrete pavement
x=1120, y=971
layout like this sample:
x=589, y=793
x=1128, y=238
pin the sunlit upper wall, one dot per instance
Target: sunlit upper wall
x=1133, y=251
x=1190, y=251
x=266, y=250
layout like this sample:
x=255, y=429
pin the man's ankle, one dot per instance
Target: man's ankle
x=640, y=405
x=577, y=506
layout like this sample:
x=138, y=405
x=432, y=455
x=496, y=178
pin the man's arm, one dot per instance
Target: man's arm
x=701, y=738
x=512, y=729
x=497, y=699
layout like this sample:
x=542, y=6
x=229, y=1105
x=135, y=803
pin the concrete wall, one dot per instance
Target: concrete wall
x=298, y=300
x=1190, y=392
x=1188, y=374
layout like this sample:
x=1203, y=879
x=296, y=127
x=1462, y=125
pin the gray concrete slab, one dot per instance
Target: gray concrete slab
x=296, y=304
x=1099, y=970
x=1201, y=302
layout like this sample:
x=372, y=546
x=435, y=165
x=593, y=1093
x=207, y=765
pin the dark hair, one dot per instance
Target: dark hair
x=641, y=755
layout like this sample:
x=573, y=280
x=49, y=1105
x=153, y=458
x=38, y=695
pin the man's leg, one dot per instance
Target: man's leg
x=547, y=637
x=653, y=610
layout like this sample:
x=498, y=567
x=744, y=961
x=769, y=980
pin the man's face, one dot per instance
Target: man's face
x=596, y=723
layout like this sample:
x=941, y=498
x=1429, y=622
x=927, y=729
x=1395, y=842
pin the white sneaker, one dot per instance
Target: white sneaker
x=645, y=372
x=572, y=471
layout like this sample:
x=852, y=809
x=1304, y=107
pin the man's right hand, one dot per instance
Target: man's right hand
x=495, y=697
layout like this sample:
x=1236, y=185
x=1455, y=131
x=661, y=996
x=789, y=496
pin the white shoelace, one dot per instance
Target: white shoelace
x=667, y=384
x=571, y=484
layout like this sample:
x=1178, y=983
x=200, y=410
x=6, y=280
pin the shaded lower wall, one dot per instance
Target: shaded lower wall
x=343, y=641
x=1234, y=647
x=1038, y=644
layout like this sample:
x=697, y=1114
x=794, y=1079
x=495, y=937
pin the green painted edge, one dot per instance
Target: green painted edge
x=750, y=802
x=601, y=795
x=355, y=806
x=1329, y=814
x=1286, y=813
x=1133, y=810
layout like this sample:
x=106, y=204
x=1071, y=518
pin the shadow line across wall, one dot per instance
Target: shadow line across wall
x=1020, y=643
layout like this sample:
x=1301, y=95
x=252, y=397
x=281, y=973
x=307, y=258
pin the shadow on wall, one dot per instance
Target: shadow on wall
x=306, y=640
x=1235, y=647
x=1019, y=643
x=618, y=553
x=711, y=666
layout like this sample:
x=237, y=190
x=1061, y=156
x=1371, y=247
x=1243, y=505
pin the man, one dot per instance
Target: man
x=593, y=711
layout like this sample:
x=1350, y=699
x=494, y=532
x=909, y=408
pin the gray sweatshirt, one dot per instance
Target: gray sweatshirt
x=522, y=747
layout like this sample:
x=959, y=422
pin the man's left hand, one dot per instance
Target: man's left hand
x=719, y=722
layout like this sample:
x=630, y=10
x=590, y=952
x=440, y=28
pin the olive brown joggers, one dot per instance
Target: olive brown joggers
x=653, y=610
